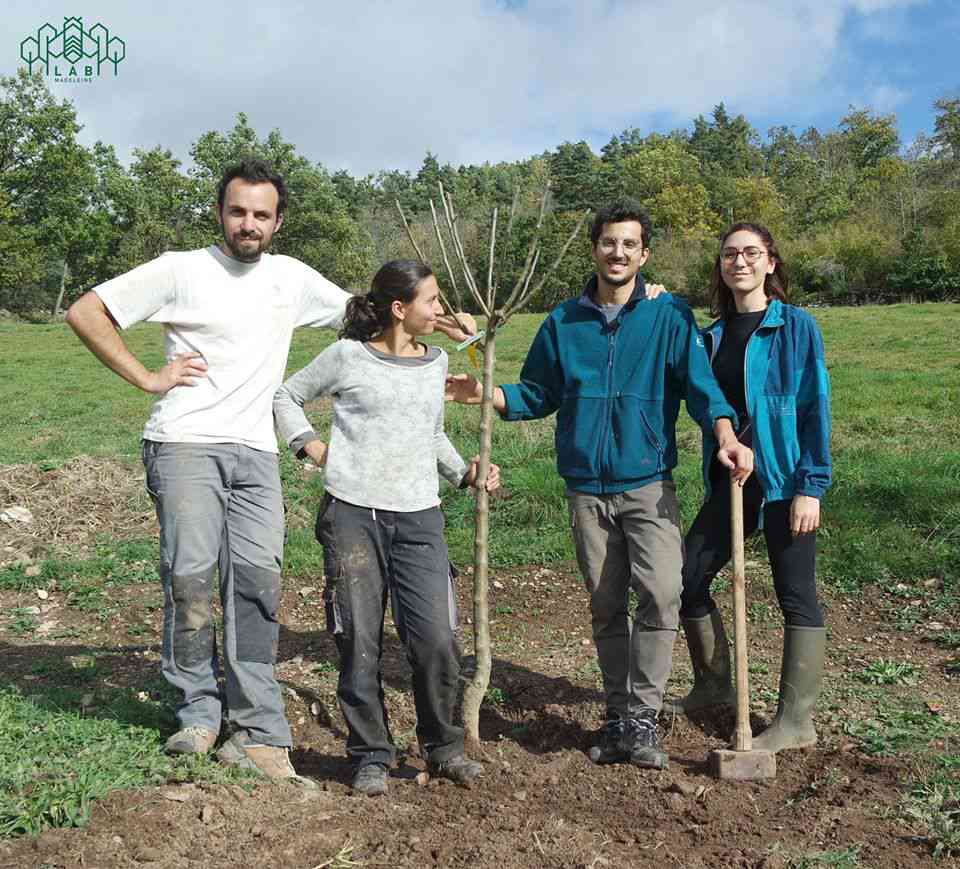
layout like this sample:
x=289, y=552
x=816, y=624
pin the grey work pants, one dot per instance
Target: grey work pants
x=631, y=540
x=368, y=554
x=220, y=507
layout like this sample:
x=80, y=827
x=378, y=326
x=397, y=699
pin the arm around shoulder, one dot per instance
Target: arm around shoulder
x=322, y=302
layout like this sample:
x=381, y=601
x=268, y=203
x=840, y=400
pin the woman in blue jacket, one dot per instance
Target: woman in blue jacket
x=768, y=358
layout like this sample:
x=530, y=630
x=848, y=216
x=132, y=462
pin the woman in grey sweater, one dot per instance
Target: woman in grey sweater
x=380, y=521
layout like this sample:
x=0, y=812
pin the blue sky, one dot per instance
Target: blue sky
x=375, y=84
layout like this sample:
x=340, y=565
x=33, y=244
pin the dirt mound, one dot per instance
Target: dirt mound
x=71, y=504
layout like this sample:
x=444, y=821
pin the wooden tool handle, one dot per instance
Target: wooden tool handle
x=742, y=737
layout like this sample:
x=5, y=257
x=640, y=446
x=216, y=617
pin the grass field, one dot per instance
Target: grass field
x=892, y=516
x=891, y=523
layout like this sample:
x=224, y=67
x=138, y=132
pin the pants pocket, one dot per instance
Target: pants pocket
x=452, y=607
x=331, y=606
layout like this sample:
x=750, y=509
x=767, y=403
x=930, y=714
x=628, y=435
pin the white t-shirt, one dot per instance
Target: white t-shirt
x=241, y=317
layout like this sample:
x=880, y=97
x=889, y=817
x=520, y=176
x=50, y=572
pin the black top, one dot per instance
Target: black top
x=728, y=361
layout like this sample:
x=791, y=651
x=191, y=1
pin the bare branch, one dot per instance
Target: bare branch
x=443, y=251
x=493, y=240
x=510, y=305
x=406, y=226
x=524, y=296
x=563, y=252
x=459, y=250
x=450, y=309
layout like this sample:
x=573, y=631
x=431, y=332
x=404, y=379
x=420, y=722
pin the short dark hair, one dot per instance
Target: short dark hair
x=774, y=285
x=620, y=211
x=369, y=315
x=253, y=171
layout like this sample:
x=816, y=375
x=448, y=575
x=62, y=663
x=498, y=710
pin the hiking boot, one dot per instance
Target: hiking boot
x=639, y=741
x=800, y=675
x=370, y=779
x=710, y=656
x=458, y=769
x=609, y=749
x=191, y=740
x=271, y=761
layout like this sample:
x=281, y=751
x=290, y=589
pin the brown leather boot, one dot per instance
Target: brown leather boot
x=271, y=761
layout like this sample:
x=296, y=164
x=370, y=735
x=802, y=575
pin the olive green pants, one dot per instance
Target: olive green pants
x=631, y=541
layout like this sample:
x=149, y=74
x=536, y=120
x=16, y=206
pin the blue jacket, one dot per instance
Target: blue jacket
x=788, y=402
x=617, y=388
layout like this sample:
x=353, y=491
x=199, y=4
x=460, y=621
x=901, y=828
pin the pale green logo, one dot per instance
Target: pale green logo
x=73, y=52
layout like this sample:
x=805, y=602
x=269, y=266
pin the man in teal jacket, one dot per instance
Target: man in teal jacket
x=614, y=366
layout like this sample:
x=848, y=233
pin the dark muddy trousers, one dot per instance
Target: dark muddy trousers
x=368, y=554
x=793, y=560
x=219, y=507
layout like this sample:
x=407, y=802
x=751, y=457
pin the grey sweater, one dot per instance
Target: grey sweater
x=386, y=441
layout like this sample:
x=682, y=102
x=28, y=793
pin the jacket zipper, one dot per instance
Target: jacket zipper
x=654, y=442
x=746, y=404
x=604, y=464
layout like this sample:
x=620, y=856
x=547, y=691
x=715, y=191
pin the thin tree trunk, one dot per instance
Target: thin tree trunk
x=63, y=285
x=476, y=689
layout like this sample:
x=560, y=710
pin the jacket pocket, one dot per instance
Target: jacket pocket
x=579, y=437
x=636, y=444
x=776, y=441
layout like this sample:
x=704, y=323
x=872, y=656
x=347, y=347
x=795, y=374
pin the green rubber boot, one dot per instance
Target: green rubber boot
x=800, y=675
x=710, y=655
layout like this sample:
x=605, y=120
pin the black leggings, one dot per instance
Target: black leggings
x=707, y=550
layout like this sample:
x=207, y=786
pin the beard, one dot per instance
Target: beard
x=619, y=280
x=242, y=250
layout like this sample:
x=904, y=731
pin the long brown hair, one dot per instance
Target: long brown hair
x=774, y=285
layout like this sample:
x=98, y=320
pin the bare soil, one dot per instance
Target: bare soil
x=541, y=802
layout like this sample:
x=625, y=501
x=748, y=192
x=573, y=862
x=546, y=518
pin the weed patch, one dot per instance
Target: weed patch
x=932, y=806
x=57, y=756
x=897, y=729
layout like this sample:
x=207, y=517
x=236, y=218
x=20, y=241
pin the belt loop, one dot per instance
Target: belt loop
x=374, y=511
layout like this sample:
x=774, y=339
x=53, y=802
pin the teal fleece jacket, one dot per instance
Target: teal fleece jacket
x=788, y=402
x=616, y=388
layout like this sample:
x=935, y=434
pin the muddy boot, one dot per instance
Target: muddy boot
x=270, y=761
x=800, y=674
x=457, y=769
x=710, y=655
x=640, y=742
x=191, y=740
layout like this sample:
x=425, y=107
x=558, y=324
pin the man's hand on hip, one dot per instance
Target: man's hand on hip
x=182, y=370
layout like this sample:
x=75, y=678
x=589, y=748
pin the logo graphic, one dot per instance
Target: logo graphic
x=74, y=53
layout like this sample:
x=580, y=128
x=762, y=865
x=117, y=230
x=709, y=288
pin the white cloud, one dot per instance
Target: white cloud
x=375, y=84
x=885, y=98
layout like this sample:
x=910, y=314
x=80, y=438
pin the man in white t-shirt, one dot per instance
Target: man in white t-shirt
x=210, y=454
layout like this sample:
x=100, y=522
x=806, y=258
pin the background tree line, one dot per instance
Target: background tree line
x=860, y=218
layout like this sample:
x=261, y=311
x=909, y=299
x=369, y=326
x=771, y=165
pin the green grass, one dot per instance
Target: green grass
x=892, y=517
x=933, y=806
x=848, y=858
x=886, y=672
x=900, y=726
x=56, y=758
x=892, y=520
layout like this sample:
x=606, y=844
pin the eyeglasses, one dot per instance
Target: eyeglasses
x=750, y=254
x=630, y=246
